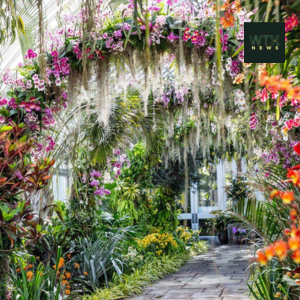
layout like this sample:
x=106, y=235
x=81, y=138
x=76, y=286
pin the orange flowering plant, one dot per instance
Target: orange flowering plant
x=39, y=280
x=287, y=248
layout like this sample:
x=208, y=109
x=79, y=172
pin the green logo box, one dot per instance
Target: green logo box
x=264, y=42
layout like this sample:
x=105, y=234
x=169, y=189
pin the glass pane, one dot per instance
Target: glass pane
x=207, y=187
x=228, y=181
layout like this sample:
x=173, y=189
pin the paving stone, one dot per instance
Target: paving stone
x=158, y=291
x=219, y=275
x=184, y=291
x=174, y=296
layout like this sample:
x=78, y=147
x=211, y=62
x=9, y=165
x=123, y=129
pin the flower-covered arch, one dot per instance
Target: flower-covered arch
x=167, y=52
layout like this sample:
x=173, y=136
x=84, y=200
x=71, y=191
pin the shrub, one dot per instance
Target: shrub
x=132, y=284
x=158, y=243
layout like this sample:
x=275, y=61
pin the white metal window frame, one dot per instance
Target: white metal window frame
x=195, y=215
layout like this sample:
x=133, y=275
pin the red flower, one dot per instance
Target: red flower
x=297, y=148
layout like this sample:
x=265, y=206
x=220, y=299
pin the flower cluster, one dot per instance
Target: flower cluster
x=239, y=99
x=157, y=242
x=280, y=153
x=199, y=38
x=253, y=121
x=230, y=9
x=238, y=231
x=224, y=40
x=232, y=67
x=98, y=181
x=187, y=235
x=291, y=22
x=289, y=246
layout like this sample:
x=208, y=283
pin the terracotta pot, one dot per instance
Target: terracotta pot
x=223, y=237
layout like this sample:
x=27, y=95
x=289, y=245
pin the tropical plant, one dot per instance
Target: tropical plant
x=165, y=209
x=46, y=237
x=10, y=21
x=268, y=284
x=96, y=259
x=221, y=222
x=237, y=189
x=42, y=282
x=132, y=284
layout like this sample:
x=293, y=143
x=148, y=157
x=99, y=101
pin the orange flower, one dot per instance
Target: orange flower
x=18, y=270
x=293, y=214
x=281, y=248
x=61, y=263
x=69, y=256
x=239, y=78
x=30, y=266
x=247, y=65
x=29, y=275
x=68, y=275
x=54, y=267
x=275, y=193
x=269, y=252
x=76, y=265
x=296, y=256
x=67, y=292
x=227, y=20
x=294, y=243
x=287, y=197
x=64, y=282
x=68, y=286
x=85, y=273
x=295, y=231
x=294, y=176
x=262, y=258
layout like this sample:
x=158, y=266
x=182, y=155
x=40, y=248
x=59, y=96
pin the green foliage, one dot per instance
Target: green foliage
x=11, y=22
x=199, y=248
x=96, y=258
x=132, y=284
x=165, y=209
x=221, y=222
x=45, y=240
x=269, y=284
x=268, y=219
x=40, y=283
x=238, y=189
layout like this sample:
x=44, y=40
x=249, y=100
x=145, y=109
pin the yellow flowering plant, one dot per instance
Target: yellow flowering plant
x=158, y=243
x=187, y=235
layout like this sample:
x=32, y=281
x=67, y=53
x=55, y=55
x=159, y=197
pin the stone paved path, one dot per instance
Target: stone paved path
x=218, y=275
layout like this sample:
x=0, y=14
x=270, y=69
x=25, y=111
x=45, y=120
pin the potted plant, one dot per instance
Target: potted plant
x=237, y=190
x=221, y=224
x=239, y=235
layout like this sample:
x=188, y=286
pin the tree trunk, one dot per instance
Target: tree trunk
x=4, y=269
